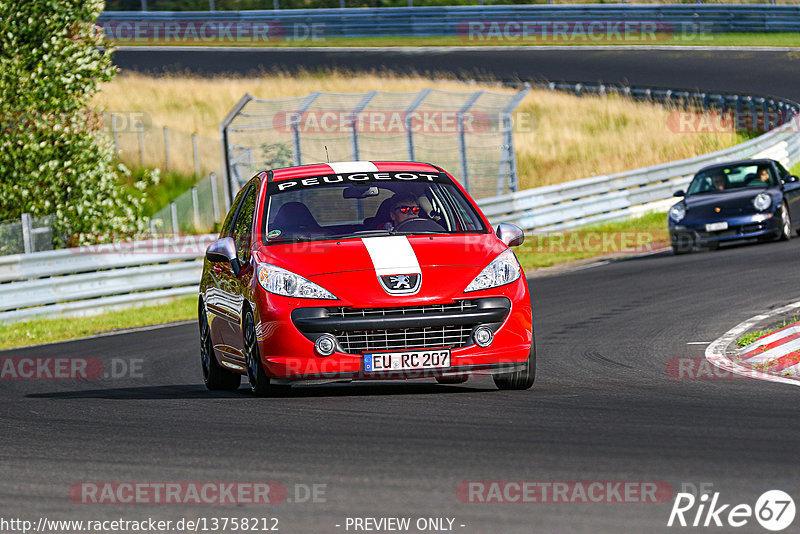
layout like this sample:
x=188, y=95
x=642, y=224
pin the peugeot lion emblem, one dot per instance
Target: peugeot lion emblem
x=401, y=284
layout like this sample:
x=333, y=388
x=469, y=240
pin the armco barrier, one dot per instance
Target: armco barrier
x=89, y=279
x=685, y=19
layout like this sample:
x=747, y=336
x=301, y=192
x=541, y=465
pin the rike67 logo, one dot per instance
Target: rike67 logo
x=774, y=510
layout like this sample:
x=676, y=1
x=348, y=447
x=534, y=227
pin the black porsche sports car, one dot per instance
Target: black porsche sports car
x=748, y=199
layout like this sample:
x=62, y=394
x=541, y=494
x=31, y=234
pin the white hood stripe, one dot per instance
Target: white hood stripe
x=392, y=255
x=346, y=167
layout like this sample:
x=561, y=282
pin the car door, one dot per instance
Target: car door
x=791, y=192
x=242, y=233
x=220, y=296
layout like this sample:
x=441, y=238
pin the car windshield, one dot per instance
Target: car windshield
x=367, y=204
x=720, y=179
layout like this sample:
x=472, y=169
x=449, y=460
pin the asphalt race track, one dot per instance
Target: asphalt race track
x=604, y=408
x=766, y=72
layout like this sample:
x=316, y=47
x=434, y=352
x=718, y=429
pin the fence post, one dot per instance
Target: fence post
x=27, y=233
x=195, y=209
x=223, y=138
x=211, y=5
x=354, y=131
x=509, y=158
x=114, y=134
x=214, y=197
x=195, y=155
x=166, y=148
x=140, y=132
x=411, y=108
x=173, y=211
x=462, y=138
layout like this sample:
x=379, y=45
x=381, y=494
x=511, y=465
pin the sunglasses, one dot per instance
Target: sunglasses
x=408, y=209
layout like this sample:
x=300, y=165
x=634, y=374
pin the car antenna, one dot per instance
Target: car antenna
x=326, y=154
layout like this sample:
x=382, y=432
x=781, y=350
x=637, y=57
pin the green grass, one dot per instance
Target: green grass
x=750, y=337
x=787, y=39
x=642, y=234
x=170, y=186
x=61, y=329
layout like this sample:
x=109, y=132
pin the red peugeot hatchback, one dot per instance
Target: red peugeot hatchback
x=361, y=271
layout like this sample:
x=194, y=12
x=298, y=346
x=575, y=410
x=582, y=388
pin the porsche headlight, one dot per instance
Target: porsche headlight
x=762, y=201
x=503, y=270
x=677, y=212
x=286, y=283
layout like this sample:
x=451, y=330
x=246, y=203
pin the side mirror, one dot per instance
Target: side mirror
x=510, y=234
x=224, y=250
x=679, y=193
x=790, y=179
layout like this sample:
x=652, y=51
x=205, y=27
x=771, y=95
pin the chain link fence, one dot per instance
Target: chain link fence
x=26, y=234
x=140, y=144
x=197, y=211
x=468, y=133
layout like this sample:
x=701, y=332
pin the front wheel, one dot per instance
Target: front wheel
x=260, y=383
x=522, y=379
x=214, y=375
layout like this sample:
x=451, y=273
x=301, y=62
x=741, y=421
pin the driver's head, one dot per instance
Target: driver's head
x=404, y=206
x=763, y=174
x=718, y=181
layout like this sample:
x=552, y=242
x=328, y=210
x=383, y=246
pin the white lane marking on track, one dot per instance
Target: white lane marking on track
x=715, y=353
x=698, y=342
x=392, y=255
x=343, y=167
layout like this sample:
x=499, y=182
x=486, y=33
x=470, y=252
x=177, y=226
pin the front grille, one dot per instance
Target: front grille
x=461, y=305
x=356, y=342
x=406, y=338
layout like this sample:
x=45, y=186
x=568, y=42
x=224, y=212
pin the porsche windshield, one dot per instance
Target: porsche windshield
x=359, y=205
x=720, y=179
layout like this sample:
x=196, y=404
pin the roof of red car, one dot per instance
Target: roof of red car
x=319, y=169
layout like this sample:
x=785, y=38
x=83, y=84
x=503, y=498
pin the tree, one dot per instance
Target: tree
x=54, y=157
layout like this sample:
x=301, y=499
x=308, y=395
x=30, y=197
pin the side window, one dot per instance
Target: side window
x=244, y=223
x=225, y=231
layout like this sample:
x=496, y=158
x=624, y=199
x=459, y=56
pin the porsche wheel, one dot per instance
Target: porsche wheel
x=260, y=383
x=215, y=376
x=786, y=224
x=522, y=379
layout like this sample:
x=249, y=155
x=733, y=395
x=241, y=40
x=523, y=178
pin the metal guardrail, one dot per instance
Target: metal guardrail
x=621, y=195
x=85, y=280
x=452, y=20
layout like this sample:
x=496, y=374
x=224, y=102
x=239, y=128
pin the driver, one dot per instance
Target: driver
x=719, y=181
x=404, y=206
x=763, y=174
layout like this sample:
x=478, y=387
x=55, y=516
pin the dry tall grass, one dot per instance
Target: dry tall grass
x=573, y=137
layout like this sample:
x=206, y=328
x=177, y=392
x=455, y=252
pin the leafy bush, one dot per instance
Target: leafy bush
x=54, y=159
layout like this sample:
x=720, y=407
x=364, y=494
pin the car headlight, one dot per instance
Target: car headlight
x=762, y=201
x=503, y=270
x=677, y=212
x=286, y=283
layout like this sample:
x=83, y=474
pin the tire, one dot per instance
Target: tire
x=682, y=244
x=452, y=379
x=260, y=383
x=215, y=376
x=522, y=379
x=786, y=224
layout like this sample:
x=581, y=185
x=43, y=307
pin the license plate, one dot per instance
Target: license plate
x=407, y=360
x=714, y=227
